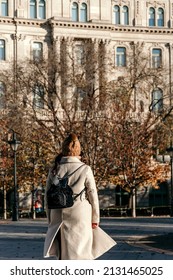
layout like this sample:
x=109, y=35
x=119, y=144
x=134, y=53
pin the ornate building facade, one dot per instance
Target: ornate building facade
x=30, y=27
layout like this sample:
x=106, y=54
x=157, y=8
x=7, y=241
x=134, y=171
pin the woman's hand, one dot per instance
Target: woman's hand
x=95, y=225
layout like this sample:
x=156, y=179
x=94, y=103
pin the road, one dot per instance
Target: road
x=24, y=239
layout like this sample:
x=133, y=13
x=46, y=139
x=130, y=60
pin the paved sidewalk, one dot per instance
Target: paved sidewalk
x=24, y=240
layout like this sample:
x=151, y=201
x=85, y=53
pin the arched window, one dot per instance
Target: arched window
x=4, y=8
x=160, y=17
x=125, y=15
x=156, y=58
x=2, y=95
x=37, y=51
x=121, y=56
x=151, y=17
x=38, y=96
x=2, y=50
x=42, y=9
x=33, y=8
x=83, y=12
x=75, y=12
x=116, y=12
x=157, y=100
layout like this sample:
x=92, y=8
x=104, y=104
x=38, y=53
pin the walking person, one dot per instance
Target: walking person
x=74, y=233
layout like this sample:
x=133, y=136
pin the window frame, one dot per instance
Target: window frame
x=75, y=8
x=119, y=60
x=160, y=19
x=156, y=59
x=85, y=11
x=35, y=57
x=4, y=6
x=38, y=96
x=3, y=53
x=33, y=8
x=40, y=6
x=125, y=15
x=150, y=19
x=157, y=103
x=116, y=14
x=79, y=53
x=80, y=95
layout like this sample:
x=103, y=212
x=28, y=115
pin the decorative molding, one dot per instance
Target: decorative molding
x=121, y=2
x=155, y=4
x=106, y=41
x=111, y=27
x=156, y=45
x=87, y=26
x=96, y=40
x=18, y=37
x=80, y=1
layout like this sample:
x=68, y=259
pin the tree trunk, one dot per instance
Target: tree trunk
x=134, y=202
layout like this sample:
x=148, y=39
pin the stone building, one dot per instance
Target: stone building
x=30, y=27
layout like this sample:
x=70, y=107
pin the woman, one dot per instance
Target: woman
x=74, y=233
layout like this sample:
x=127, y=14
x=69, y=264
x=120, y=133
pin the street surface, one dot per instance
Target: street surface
x=24, y=239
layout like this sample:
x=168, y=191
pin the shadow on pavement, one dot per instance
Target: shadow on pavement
x=163, y=242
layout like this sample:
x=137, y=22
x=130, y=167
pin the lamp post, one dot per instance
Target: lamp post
x=14, y=143
x=170, y=152
x=4, y=195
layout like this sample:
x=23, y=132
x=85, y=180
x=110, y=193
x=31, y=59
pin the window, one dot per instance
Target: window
x=121, y=15
x=75, y=12
x=38, y=96
x=160, y=17
x=42, y=12
x=2, y=50
x=2, y=95
x=116, y=13
x=37, y=51
x=157, y=100
x=121, y=56
x=79, y=54
x=83, y=12
x=151, y=17
x=156, y=58
x=156, y=17
x=33, y=8
x=4, y=7
x=81, y=101
x=141, y=106
x=125, y=15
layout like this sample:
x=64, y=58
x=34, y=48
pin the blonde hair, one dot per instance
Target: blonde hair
x=71, y=146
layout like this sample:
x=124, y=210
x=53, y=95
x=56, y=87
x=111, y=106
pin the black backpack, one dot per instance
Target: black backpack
x=61, y=195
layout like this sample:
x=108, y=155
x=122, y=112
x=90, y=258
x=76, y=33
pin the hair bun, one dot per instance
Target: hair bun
x=72, y=137
x=71, y=146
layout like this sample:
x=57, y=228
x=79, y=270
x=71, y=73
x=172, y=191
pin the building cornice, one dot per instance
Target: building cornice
x=109, y=27
x=19, y=21
x=85, y=25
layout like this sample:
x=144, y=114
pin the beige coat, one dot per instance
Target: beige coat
x=78, y=240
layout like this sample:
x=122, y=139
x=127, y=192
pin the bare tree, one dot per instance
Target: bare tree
x=71, y=91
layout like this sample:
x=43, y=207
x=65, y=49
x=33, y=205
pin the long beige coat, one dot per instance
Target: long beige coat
x=78, y=240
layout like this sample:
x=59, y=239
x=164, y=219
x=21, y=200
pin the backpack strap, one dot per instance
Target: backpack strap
x=79, y=194
x=73, y=171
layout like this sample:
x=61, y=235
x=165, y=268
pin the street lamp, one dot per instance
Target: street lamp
x=14, y=143
x=170, y=152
